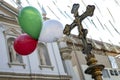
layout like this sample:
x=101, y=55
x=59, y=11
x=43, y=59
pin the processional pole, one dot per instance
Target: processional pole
x=94, y=69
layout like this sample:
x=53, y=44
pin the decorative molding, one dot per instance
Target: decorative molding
x=12, y=30
x=66, y=53
x=116, y=52
x=24, y=76
x=46, y=66
x=8, y=7
x=16, y=64
x=66, y=49
x=7, y=20
x=8, y=13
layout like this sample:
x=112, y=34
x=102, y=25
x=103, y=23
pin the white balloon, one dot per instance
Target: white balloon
x=52, y=30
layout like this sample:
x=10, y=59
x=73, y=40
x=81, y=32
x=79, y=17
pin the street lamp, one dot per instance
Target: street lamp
x=94, y=69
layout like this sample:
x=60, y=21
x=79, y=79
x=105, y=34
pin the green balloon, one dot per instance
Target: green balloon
x=30, y=21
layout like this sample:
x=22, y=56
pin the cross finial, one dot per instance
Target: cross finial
x=78, y=22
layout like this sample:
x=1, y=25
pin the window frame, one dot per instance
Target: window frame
x=11, y=56
x=39, y=55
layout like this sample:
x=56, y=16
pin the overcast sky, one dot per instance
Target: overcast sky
x=104, y=25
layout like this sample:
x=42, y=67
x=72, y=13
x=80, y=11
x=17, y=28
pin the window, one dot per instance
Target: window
x=105, y=73
x=14, y=58
x=113, y=62
x=116, y=72
x=119, y=72
x=43, y=54
x=112, y=72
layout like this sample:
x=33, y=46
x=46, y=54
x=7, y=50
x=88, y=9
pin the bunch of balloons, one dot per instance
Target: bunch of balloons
x=31, y=23
x=24, y=44
x=30, y=20
x=52, y=30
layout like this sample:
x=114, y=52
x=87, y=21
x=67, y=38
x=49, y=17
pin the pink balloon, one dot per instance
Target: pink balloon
x=24, y=44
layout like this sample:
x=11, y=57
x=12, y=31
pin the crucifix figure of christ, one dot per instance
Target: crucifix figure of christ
x=94, y=69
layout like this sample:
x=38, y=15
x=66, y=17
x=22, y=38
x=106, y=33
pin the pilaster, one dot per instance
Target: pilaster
x=66, y=56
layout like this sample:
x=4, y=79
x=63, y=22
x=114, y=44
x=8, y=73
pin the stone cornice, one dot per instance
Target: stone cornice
x=10, y=29
x=8, y=13
x=9, y=7
x=66, y=49
x=8, y=19
x=102, y=49
x=66, y=53
x=23, y=76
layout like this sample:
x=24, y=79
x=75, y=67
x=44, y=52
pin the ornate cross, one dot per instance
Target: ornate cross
x=78, y=22
x=94, y=69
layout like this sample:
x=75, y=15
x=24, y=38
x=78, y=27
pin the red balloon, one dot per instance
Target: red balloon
x=24, y=44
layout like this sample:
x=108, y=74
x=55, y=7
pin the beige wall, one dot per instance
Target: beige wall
x=102, y=59
x=78, y=58
x=118, y=62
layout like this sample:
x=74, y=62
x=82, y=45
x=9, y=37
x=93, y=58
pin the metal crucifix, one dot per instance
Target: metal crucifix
x=94, y=69
x=78, y=22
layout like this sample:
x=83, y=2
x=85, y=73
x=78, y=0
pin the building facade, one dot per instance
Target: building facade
x=60, y=60
x=37, y=66
x=105, y=54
